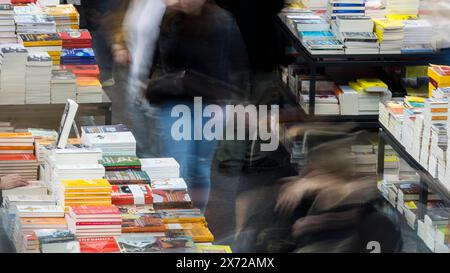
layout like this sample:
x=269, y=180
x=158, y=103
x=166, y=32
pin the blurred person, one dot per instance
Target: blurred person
x=326, y=209
x=12, y=181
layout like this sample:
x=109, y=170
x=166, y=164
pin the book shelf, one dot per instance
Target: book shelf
x=315, y=62
x=428, y=182
x=95, y=109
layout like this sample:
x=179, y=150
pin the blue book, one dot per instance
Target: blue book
x=348, y=11
x=347, y=5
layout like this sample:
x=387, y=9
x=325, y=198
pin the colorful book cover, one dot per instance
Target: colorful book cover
x=98, y=245
x=131, y=195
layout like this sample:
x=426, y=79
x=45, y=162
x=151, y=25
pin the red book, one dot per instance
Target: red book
x=83, y=70
x=117, y=223
x=97, y=211
x=22, y=158
x=98, y=245
x=131, y=195
x=76, y=36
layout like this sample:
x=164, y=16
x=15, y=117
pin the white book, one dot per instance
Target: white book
x=348, y=100
x=40, y=211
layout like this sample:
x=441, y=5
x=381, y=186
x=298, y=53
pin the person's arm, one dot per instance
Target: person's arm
x=12, y=181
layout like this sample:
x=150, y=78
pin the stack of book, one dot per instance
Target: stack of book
x=63, y=86
x=418, y=36
x=24, y=164
x=96, y=192
x=410, y=7
x=78, y=56
x=142, y=220
x=13, y=200
x=6, y=127
x=36, y=188
x=89, y=90
x=76, y=38
x=433, y=229
x=370, y=93
x=50, y=43
x=316, y=5
x=65, y=16
x=375, y=9
x=438, y=150
x=326, y=103
x=309, y=22
x=365, y=159
x=356, y=33
x=439, y=77
x=7, y=24
x=160, y=168
x=57, y=241
x=121, y=163
x=390, y=34
x=103, y=244
x=171, y=199
x=128, y=195
x=127, y=177
x=38, y=78
x=345, y=7
x=114, y=140
x=322, y=47
x=95, y=221
x=13, y=71
x=35, y=24
x=16, y=143
x=92, y=71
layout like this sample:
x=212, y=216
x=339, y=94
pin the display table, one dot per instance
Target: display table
x=96, y=109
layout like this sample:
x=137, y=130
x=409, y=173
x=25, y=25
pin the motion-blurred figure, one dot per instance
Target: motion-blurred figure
x=438, y=13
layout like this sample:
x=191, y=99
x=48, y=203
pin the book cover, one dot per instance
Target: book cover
x=138, y=244
x=98, y=245
x=131, y=195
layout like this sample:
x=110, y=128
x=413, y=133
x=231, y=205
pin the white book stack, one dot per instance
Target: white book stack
x=345, y=7
x=365, y=158
x=73, y=163
x=119, y=143
x=35, y=188
x=160, y=168
x=13, y=72
x=356, y=33
x=63, y=86
x=90, y=91
x=418, y=36
x=12, y=201
x=348, y=100
x=391, y=34
x=403, y=7
x=326, y=104
x=438, y=149
x=418, y=137
x=35, y=24
x=425, y=145
x=7, y=23
x=38, y=78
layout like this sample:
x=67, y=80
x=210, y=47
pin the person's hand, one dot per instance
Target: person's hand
x=12, y=181
x=122, y=57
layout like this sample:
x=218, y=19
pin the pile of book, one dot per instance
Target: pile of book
x=142, y=219
x=16, y=159
x=316, y=5
x=12, y=77
x=50, y=43
x=65, y=16
x=76, y=38
x=78, y=56
x=95, y=221
x=345, y=7
x=96, y=192
x=7, y=23
x=160, y=168
x=418, y=36
x=375, y=9
x=35, y=24
x=326, y=103
x=116, y=140
x=38, y=78
x=410, y=7
x=89, y=90
x=57, y=241
x=63, y=86
x=172, y=194
x=356, y=33
x=121, y=163
x=35, y=188
x=6, y=127
x=130, y=194
x=91, y=71
x=438, y=150
x=439, y=77
x=370, y=93
x=308, y=21
x=391, y=34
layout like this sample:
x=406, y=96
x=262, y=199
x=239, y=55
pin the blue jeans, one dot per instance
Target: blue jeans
x=194, y=156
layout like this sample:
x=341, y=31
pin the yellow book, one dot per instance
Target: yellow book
x=402, y=17
x=358, y=88
x=415, y=99
x=411, y=205
x=369, y=84
x=389, y=24
x=440, y=74
x=213, y=249
x=87, y=184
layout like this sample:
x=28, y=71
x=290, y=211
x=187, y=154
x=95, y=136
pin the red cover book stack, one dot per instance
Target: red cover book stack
x=123, y=195
x=86, y=221
x=76, y=38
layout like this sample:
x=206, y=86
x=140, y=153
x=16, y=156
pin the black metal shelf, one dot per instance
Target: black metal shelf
x=427, y=180
x=322, y=60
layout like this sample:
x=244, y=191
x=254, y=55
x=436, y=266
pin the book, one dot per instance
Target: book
x=40, y=211
x=135, y=243
x=99, y=245
x=180, y=244
x=169, y=184
x=131, y=195
x=117, y=163
x=127, y=177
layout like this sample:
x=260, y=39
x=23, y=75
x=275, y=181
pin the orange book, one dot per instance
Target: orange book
x=88, y=81
x=38, y=222
x=16, y=135
x=11, y=148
